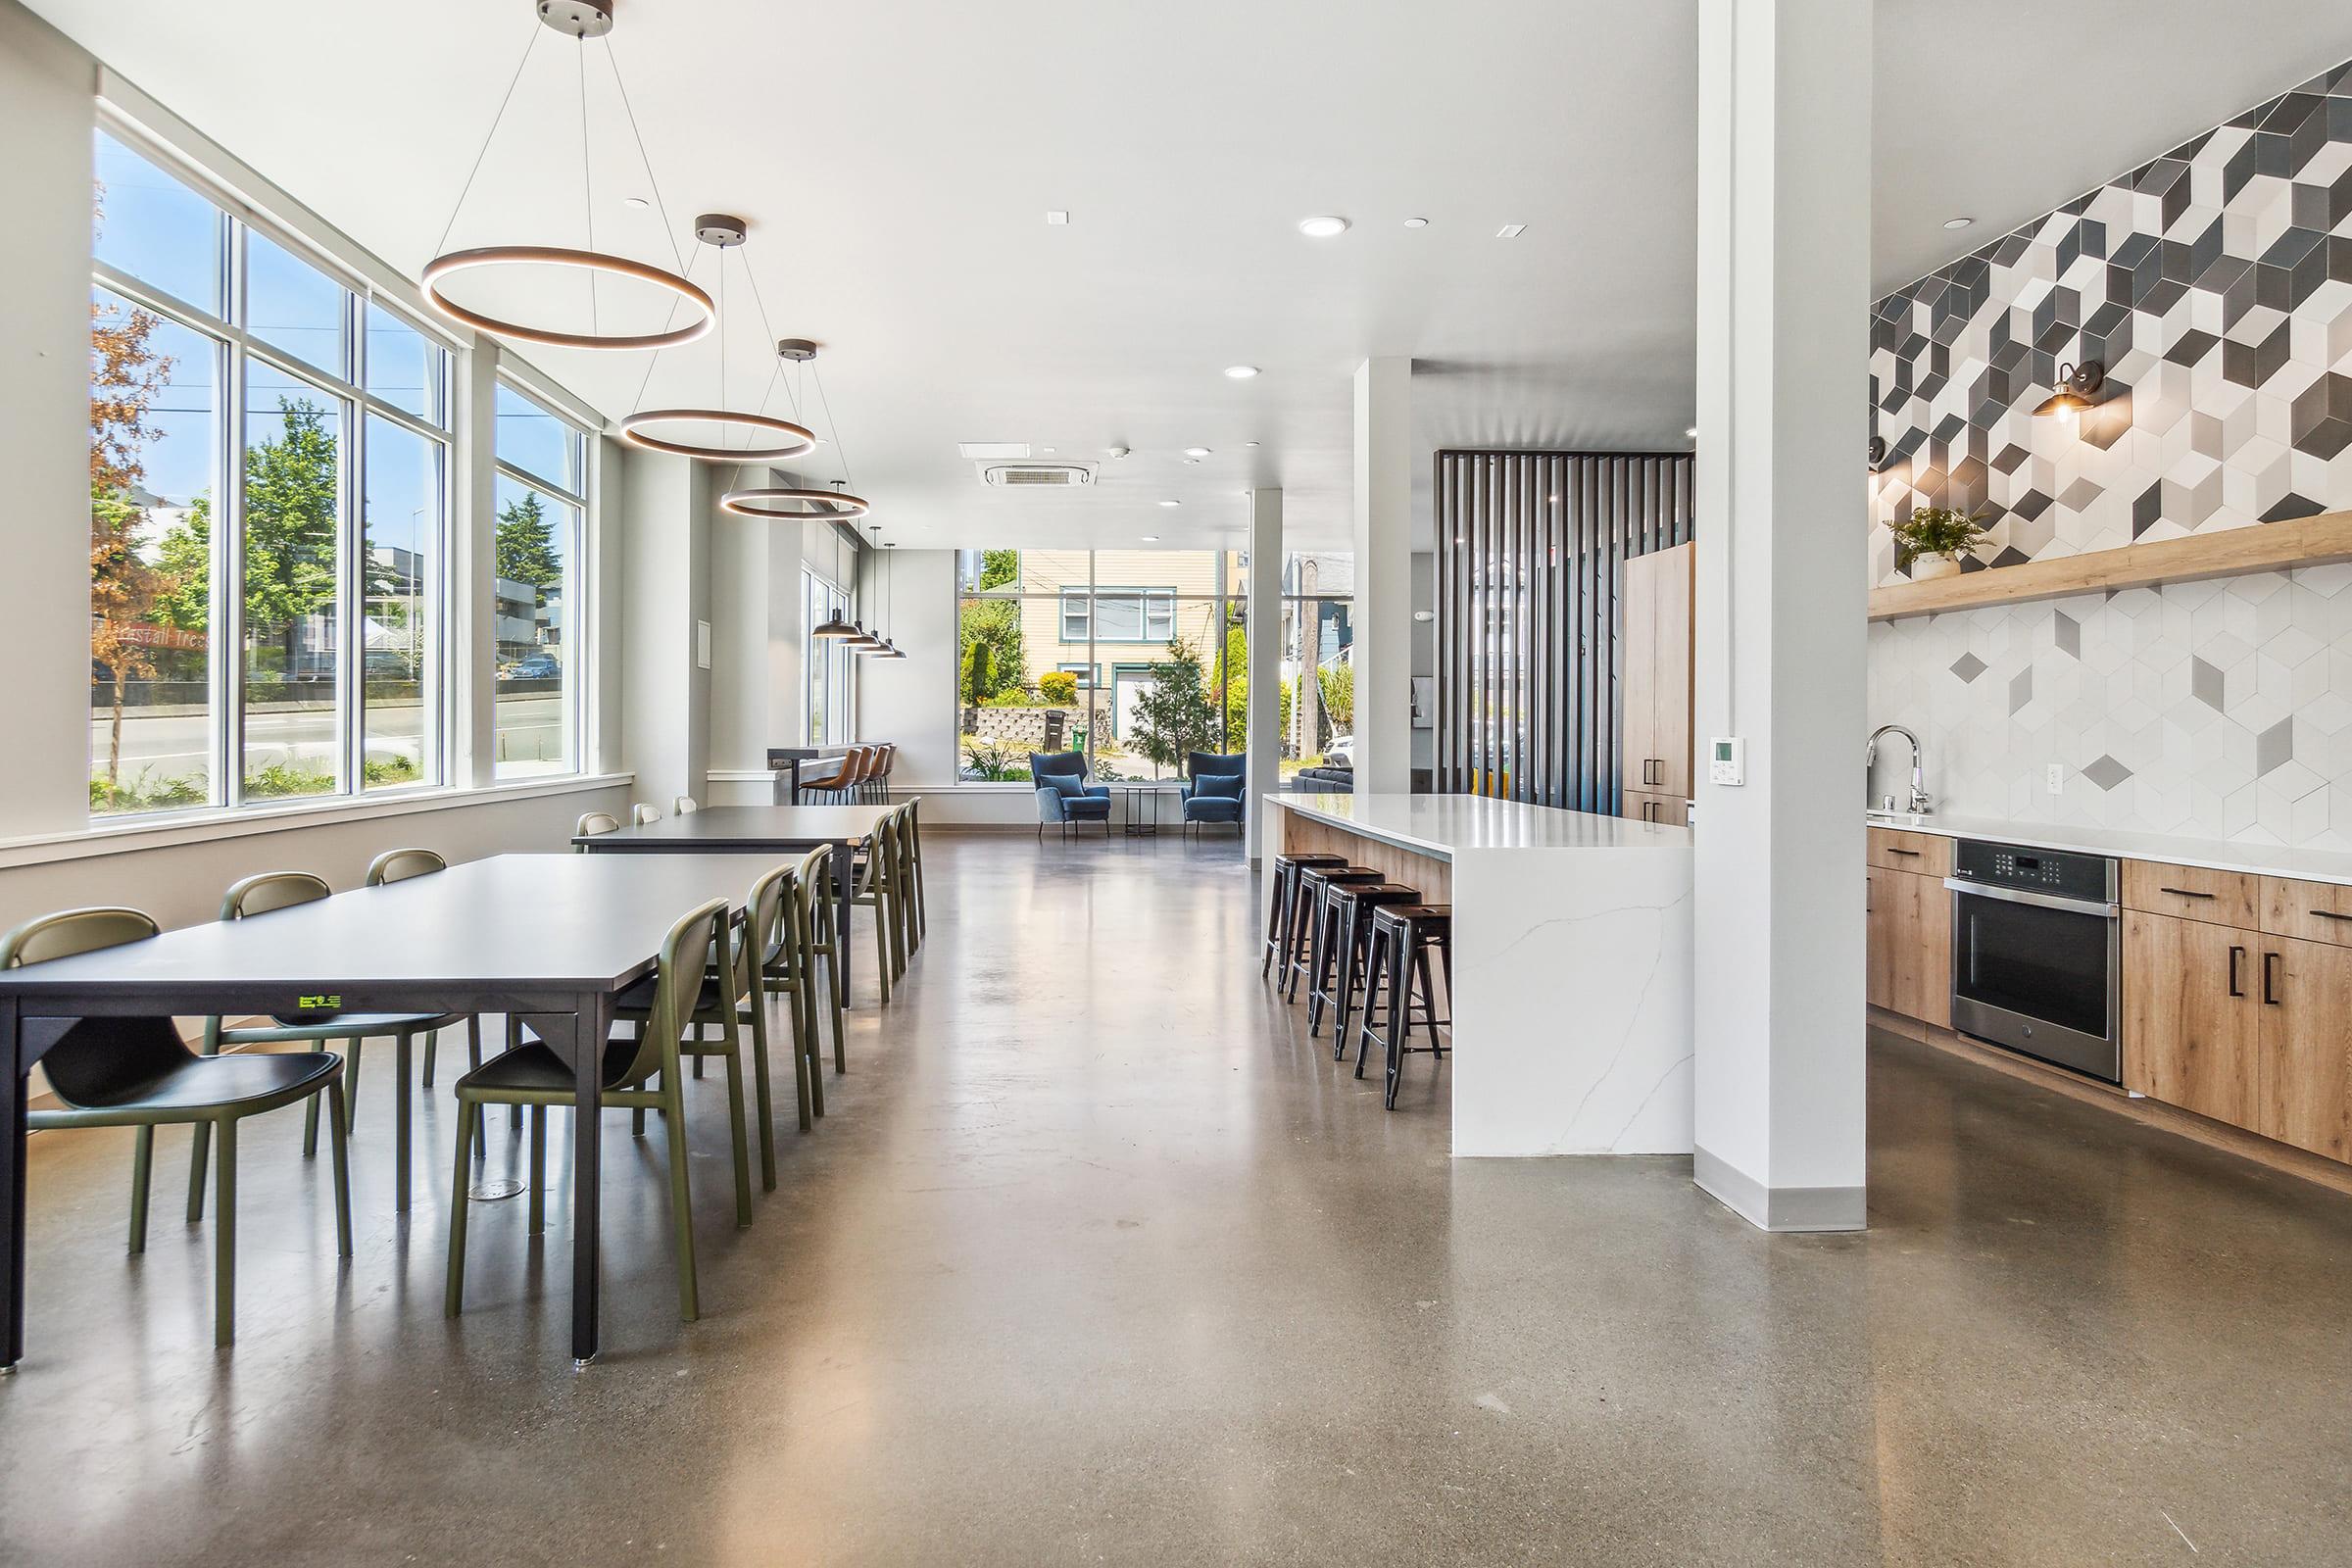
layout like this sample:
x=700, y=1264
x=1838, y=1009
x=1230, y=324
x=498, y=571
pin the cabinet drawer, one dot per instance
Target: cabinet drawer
x=1673, y=811
x=2217, y=898
x=2312, y=912
x=1921, y=854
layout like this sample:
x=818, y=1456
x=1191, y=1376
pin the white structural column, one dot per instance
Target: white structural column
x=1784, y=300
x=1384, y=576
x=1263, y=743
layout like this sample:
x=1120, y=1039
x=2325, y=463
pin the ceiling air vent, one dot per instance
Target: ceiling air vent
x=1037, y=475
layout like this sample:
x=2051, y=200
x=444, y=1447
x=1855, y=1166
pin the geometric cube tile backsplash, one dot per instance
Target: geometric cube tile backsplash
x=2215, y=284
x=2206, y=710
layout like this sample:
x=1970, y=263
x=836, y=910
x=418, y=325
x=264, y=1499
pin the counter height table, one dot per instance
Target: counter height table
x=778, y=830
x=550, y=939
x=1571, y=996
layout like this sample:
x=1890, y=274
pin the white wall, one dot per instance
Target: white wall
x=665, y=590
x=912, y=701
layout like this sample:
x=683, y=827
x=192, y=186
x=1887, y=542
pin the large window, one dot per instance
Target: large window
x=1134, y=656
x=825, y=662
x=269, y=496
x=542, y=500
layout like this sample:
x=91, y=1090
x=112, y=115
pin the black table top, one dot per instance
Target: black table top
x=540, y=922
x=740, y=830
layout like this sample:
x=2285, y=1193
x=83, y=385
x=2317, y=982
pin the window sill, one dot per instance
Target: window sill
x=129, y=836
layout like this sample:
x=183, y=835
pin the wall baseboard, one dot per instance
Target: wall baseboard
x=1780, y=1209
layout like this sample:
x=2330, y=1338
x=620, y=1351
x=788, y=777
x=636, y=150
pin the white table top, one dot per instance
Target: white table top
x=1443, y=824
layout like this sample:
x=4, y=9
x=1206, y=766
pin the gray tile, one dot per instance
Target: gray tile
x=2021, y=688
x=2205, y=683
x=2066, y=633
x=2106, y=772
x=1968, y=666
x=2275, y=747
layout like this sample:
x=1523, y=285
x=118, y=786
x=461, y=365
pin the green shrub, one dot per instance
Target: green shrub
x=1059, y=688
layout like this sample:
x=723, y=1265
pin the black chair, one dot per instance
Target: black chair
x=1305, y=952
x=1063, y=795
x=1346, y=918
x=1285, y=884
x=1403, y=938
x=137, y=1072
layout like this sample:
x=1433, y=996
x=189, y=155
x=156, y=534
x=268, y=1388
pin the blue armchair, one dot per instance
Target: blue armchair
x=1216, y=796
x=1063, y=795
x=1198, y=764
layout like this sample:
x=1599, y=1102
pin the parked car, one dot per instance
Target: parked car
x=538, y=666
x=1340, y=753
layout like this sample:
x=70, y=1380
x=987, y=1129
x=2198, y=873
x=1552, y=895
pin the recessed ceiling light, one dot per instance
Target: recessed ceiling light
x=1240, y=372
x=634, y=201
x=1191, y=463
x=1690, y=434
x=1172, y=503
x=1058, y=218
x=1322, y=227
x=1248, y=443
x=1958, y=222
x=1150, y=538
x=1510, y=231
x=1416, y=222
x=1196, y=452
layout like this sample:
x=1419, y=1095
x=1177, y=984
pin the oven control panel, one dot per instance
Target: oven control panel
x=2064, y=872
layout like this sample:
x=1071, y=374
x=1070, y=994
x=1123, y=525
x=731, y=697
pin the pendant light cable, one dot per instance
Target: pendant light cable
x=588, y=186
x=488, y=136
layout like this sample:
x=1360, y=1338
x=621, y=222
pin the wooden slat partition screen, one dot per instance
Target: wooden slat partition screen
x=1531, y=551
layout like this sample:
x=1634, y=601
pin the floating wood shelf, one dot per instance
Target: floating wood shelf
x=2230, y=552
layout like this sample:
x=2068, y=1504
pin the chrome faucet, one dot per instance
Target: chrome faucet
x=1921, y=802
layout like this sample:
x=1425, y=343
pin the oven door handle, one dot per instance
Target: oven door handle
x=2040, y=901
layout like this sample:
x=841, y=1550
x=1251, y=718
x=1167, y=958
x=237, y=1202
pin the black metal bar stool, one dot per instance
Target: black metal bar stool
x=1345, y=925
x=1402, y=935
x=1307, y=920
x=1279, y=913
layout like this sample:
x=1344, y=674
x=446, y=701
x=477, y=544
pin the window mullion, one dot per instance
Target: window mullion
x=351, y=601
x=229, y=546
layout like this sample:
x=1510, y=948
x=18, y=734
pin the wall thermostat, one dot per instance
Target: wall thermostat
x=1726, y=759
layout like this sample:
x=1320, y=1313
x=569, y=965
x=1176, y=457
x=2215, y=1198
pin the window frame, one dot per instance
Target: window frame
x=571, y=700
x=235, y=348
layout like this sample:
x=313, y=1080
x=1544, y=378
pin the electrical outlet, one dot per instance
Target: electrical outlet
x=2056, y=781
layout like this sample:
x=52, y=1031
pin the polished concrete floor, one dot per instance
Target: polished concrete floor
x=1099, y=1259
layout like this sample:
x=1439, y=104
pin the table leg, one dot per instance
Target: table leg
x=579, y=1036
x=12, y=1184
x=845, y=879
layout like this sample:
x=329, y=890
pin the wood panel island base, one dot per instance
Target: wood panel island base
x=1571, y=961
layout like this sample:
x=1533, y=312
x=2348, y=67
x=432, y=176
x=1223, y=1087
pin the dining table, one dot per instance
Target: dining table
x=758, y=830
x=550, y=940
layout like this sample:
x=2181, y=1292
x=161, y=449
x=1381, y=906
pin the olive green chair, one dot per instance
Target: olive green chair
x=642, y=814
x=398, y=865
x=253, y=898
x=881, y=886
x=817, y=935
x=137, y=1072
x=914, y=843
x=593, y=822
x=533, y=1075
x=786, y=969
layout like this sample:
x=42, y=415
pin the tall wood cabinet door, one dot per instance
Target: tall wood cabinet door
x=1883, y=938
x=2193, y=1016
x=2306, y=1012
x=1923, y=936
x=1639, y=767
x=1670, y=616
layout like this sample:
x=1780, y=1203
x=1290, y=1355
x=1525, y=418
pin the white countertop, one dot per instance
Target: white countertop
x=2216, y=855
x=1443, y=824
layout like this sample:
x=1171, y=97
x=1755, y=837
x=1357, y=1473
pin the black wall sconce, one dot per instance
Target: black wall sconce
x=1878, y=452
x=2078, y=385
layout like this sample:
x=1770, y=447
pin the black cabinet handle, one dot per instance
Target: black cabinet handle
x=2330, y=914
x=2188, y=892
x=2270, y=979
x=1911, y=855
x=2235, y=954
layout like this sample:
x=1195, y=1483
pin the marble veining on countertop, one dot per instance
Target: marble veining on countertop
x=1444, y=824
x=2214, y=855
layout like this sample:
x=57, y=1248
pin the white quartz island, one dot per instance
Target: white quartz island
x=1571, y=961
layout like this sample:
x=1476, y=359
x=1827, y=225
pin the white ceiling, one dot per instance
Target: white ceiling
x=896, y=163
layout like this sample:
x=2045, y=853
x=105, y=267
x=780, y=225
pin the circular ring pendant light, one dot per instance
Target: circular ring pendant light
x=722, y=232
x=581, y=19
x=791, y=504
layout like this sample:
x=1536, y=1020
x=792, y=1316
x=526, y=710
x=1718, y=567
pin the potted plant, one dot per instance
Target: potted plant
x=1930, y=543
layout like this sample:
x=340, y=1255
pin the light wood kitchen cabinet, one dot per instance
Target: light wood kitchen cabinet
x=1656, y=686
x=1921, y=854
x=2312, y=912
x=1672, y=810
x=2306, y=990
x=1909, y=946
x=2217, y=898
x=2193, y=1017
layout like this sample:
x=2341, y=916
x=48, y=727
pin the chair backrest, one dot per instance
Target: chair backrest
x=684, y=806
x=96, y=1060
x=769, y=910
x=1198, y=763
x=642, y=814
x=1045, y=763
x=678, y=980
x=593, y=822
x=271, y=890
x=398, y=865
x=813, y=892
